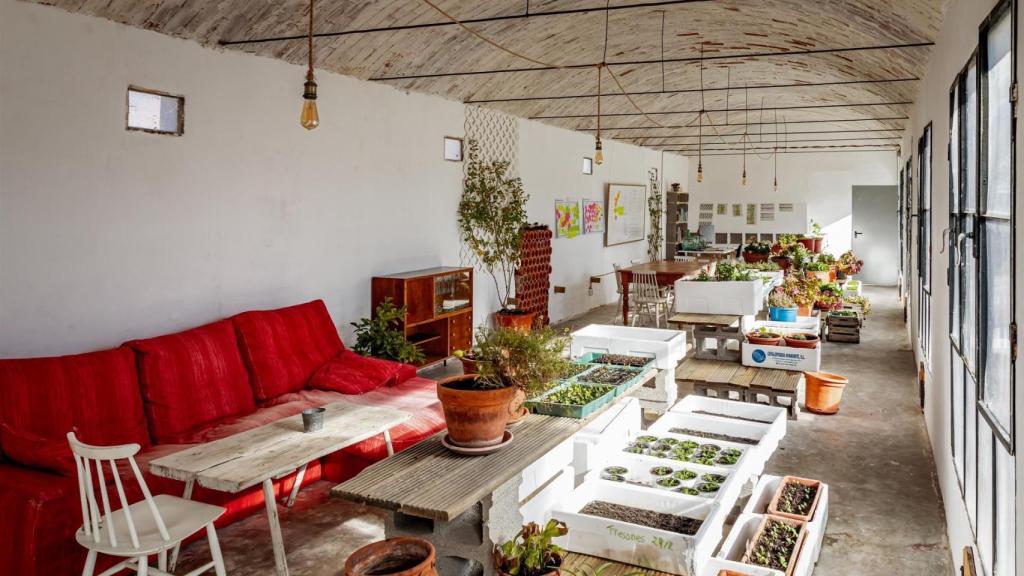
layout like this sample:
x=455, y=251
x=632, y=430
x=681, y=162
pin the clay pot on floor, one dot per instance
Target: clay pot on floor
x=824, y=391
x=522, y=321
x=476, y=418
x=393, y=557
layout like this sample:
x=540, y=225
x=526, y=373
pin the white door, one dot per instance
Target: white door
x=876, y=233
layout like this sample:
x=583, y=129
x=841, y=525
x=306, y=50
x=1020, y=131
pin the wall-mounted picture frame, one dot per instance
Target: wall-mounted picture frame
x=626, y=209
x=593, y=216
x=452, y=149
x=588, y=166
x=567, y=218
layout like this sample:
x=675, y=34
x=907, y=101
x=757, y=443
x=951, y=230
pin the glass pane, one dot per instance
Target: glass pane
x=970, y=200
x=997, y=305
x=985, y=487
x=998, y=76
x=971, y=452
x=969, y=303
x=954, y=153
x=958, y=416
x=1005, y=513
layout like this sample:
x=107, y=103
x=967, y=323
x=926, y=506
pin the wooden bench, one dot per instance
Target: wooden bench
x=587, y=565
x=722, y=328
x=732, y=381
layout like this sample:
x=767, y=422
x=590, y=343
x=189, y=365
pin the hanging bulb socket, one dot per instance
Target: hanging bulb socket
x=744, y=179
x=700, y=172
x=775, y=185
x=598, y=152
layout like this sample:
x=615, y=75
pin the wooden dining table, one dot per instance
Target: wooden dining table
x=666, y=271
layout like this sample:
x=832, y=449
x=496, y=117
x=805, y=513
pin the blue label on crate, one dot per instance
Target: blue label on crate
x=758, y=356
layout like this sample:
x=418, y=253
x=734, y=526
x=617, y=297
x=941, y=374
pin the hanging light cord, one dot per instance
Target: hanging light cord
x=309, y=73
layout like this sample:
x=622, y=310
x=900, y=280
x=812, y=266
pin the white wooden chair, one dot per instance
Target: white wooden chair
x=650, y=300
x=146, y=528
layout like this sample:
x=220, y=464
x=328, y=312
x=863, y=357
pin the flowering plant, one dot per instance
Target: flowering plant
x=801, y=289
x=830, y=297
x=779, y=299
x=849, y=264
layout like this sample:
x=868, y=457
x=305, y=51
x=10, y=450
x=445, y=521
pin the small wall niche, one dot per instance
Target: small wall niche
x=154, y=112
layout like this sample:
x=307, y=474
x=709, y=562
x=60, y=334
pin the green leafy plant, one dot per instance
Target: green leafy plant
x=816, y=230
x=727, y=272
x=799, y=255
x=803, y=290
x=577, y=394
x=787, y=240
x=827, y=258
x=382, y=337
x=656, y=213
x=758, y=248
x=849, y=263
x=766, y=266
x=779, y=299
x=817, y=266
x=491, y=216
x=862, y=301
x=531, y=361
x=531, y=552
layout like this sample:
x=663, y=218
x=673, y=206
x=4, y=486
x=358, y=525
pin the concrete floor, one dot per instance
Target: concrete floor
x=885, y=510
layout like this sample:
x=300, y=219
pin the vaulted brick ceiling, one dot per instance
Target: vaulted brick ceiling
x=840, y=72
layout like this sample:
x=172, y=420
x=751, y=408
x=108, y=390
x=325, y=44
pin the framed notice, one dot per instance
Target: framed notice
x=593, y=216
x=567, y=218
x=627, y=210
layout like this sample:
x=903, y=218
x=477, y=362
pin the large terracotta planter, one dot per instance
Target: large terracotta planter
x=522, y=322
x=752, y=257
x=807, y=242
x=475, y=418
x=819, y=244
x=393, y=557
x=824, y=391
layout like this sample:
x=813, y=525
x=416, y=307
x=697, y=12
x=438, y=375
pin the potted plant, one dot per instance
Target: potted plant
x=728, y=289
x=382, y=337
x=756, y=252
x=819, y=270
x=468, y=358
x=764, y=337
x=531, y=552
x=491, y=217
x=530, y=362
x=776, y=544
x=784, y=241
x=402, y=556
x=781, y=307
x=803, y=291
x=796, y=498
x=801, y=340
x=813, y=242
x=830, y=297
x=848, y=264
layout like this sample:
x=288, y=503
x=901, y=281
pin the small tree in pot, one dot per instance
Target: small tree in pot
x=491, y=216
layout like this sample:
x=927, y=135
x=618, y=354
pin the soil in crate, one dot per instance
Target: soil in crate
x=797, y=498
x=709, y=413
x=622, y=360
x=713, y=436
x=610, y=375
x=776, y=546
x=641, y=517
x=574, y=369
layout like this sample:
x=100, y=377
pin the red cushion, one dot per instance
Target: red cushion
x=351, y=373
x=37, y=452
x=284, y=347
x=264, y=415
x=191, y=379
x=39, y=513
x=97, y=394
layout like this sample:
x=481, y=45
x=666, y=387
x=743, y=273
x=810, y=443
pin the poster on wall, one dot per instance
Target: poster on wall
x=737, y=210
x=567, y=218
x=721, y=208
x=593, y=216
x=767, y=212
x=627, y=210
x=751, y=214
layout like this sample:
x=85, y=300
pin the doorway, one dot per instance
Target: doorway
x=876, y=233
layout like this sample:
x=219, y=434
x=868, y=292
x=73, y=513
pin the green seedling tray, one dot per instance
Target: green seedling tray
x=541, y=406
x=590, y=366
x=620, y=388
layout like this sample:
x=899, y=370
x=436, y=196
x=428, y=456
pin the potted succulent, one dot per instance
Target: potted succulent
x=830, y=297
x=848, y=264
x=531, y=552
x=531, y=362
x=819, y=270
x=491, y=218
x=781, y=307
x=801, y=340
x=764, y=337
x=382, y=336
x=803, y=291
x=756, y=252
x=784, y=241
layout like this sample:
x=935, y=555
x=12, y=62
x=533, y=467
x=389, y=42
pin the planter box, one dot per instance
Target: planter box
x=767, y=436
x=542, y=406
x=741, y=467
x=797, y=548
x=739, y=298
x=720, y=567
x=639, y=545
x=665, y=347
x=742, y=411
x=762, y=495
x=853, y=288
x=743, y=531
x=781, y=357
x=545, y=468
x=773, y=506
x=638, y=373
x=536, y=506
x=613, y=427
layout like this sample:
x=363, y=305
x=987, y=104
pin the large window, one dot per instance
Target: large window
x=924, y=243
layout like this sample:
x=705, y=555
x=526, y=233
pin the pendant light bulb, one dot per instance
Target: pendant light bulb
x=744, y=179
x=598, y=154
x=309, y=118
x=700, y=172
x=775, y=185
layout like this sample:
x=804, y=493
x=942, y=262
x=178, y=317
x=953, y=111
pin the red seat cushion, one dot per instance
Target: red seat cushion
x=264, y=415
x=191, y=379
x=97, y=394
x=351, y=373
x=39, y=513
x=284, y=347
x=37, y=452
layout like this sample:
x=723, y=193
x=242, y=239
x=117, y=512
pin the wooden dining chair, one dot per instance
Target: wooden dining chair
x=135, y=532
x=649, y=299
x=618, y=289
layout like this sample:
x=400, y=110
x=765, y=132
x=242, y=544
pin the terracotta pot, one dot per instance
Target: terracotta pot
x=402, y=556
x=554, y=572
x=784, y=262
x=773, y=505
x=522, y=322
x=801, y=536
x=752, y=257
x=475, y=418
x=776, y=248
x=516, y=410
x=754, y=338
x=807, y=242
x=469, y=365
x=803, y=310
x=819, y=243
x=822, y=276
x=794, y=343
x=824, y=392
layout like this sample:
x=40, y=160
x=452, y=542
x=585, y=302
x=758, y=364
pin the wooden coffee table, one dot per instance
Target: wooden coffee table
x=272, y=451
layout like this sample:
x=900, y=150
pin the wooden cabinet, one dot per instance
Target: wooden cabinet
x=438, y=304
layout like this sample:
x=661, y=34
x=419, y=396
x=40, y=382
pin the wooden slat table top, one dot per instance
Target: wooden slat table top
x=683, y=269
x=429, y=481
x=242, y=460
x=587, y=565
x=704, y=319
x=726, y=372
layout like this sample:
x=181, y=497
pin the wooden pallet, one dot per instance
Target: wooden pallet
x=849, y=334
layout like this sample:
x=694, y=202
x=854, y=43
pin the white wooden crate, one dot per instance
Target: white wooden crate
x=762, y=496
x=767, y=436
x=666, y=347
x=613, y=426
x=739, y=298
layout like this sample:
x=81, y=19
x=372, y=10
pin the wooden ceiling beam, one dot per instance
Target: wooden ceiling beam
x=828, y=120
x=718, y=110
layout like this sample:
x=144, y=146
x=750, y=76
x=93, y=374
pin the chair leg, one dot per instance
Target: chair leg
x=143, y=566
x=90, y=564
x=161, y=560
x=218, y=559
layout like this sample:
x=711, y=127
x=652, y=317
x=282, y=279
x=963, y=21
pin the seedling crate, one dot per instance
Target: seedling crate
x=665, y=347
x=762, y=495
x=806, y=324
x=742, y=534
x=611, y=427
x=640, y=545
x=742, y=411
x=766, y=436
x=542, y=406
x=639, y=373
x=738, y=297
x=639, y=476
x=742, y=469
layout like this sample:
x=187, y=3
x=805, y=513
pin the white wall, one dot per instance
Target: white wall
x=822, y=181
x=954, y=46
x=107, y=235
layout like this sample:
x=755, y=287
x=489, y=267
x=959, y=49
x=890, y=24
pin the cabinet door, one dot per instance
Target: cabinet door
x=460, y=331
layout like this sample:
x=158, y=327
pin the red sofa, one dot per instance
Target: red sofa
x=171, y=392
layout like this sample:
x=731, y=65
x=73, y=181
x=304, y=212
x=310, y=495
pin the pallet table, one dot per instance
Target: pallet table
x=588, y=565
x=463, y=505
x=722, y=328
x=732, y=381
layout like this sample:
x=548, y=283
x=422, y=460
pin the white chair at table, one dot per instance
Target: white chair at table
x=649, y=298
x=135, y=532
